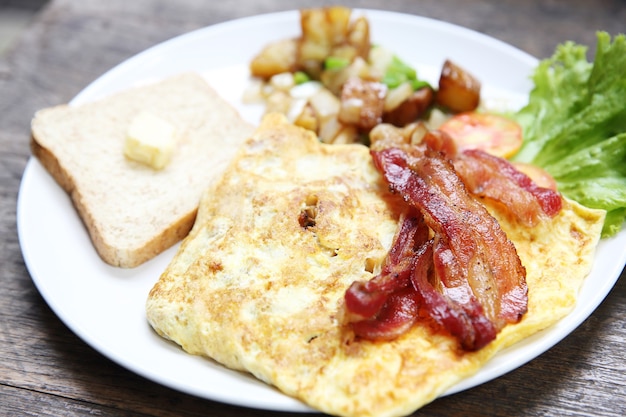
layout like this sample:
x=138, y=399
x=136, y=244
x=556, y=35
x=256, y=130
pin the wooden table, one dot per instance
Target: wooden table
x=46, y=370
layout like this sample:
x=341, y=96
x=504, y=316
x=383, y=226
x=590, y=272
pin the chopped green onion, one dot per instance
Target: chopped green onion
x=335, y=63
x=392, y=80
x=399, y=72
x=398, y=66
x=417, y=84
x=300, y=77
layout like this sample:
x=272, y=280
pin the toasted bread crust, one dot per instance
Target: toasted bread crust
x=67, y=139
x=110, y=254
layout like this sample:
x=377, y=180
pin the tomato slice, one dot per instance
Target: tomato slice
x=539, y=176
x=491, y=133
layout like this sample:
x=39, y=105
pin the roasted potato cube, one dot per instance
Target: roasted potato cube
x=344, y=51
x=283, y=81
x=307, y=119
x=329, y=128
x=459, y=90
x=386, y=135
x=359, y=37
x=362, y=103
x=275, y=58
x=334, y=79
x=379, y=59
x=328, y=32
x=325, y=103
x=410, y=109
x=398, y=95
x=278, y=102
x=321, y=29
x=348, y=134
x=338, y=18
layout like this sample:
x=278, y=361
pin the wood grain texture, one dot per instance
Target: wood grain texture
x=46, y=370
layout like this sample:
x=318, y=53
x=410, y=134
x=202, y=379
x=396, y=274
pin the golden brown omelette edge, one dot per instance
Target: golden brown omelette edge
x=255, y=290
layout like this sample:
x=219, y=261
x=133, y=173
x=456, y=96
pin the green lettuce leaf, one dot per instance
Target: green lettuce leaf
x=574, y=125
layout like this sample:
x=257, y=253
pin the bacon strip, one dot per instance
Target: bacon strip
x=396, y=316
x=467, y=277
x=478, y=274
x=497, y=179
x=466, y=322
x=386, y=306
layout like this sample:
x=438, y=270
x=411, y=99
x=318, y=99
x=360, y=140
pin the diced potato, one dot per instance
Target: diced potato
x=328, y=32
x=338, y=18
x=329, y=128
x=344, y=51
x=278, y=102
x=351, y=109
x=359, y=37
x=275, y=58
x=436, y=118
x=379, y=59
x=283, y=81
x=348, y=134
x=397, y=96
x=362, y=103
x=312, y=52
x=306, y=90
x=459, y=90
x=386, y=135
x=335, y=79
x=410, y=109
x=316, y=40
x=296, y=107
x=325, y=103
x=307, y=119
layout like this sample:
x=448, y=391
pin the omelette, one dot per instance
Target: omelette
x=259, y=283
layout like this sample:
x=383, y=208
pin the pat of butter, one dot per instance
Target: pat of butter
x=150, y=140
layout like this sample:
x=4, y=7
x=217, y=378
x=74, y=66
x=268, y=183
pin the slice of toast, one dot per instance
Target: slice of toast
x=132, y=211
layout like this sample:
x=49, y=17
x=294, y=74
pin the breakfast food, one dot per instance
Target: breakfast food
x=574, y=125
x=131, y=210
x=260, y=282
x=150, y=140
x=333, y=80
x=336, y=81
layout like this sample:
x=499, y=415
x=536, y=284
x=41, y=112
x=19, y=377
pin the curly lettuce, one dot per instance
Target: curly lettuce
x=574, y=125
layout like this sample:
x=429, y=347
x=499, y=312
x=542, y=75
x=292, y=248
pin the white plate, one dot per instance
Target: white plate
x=104, y=305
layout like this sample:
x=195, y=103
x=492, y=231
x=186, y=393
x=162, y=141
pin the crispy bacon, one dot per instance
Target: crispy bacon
x=438, y=140
x=467, y=322
x=450, y=258
x=467, y=276
x=497, y=179
x=476, y=265
x=395, y=317
x=385, y=306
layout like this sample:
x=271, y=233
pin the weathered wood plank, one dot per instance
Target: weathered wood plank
x=46, y=370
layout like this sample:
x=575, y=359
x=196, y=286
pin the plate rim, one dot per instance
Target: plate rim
x=92, y=89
